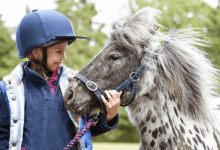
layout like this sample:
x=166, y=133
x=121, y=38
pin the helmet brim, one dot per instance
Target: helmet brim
x=60, y=39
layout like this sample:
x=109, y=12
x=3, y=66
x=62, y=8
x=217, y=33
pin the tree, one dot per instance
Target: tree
x=8, y=53
x=80, y=14
x=27, y=9
x=188, y=13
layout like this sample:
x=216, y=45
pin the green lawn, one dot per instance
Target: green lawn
x=115, y=146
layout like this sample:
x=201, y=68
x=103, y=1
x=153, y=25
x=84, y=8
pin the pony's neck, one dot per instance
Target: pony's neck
x=161, y=120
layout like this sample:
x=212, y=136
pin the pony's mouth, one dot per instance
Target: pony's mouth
x=79, y=109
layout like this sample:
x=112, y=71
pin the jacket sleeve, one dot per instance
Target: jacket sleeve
x=4, y=123
x=102, y=126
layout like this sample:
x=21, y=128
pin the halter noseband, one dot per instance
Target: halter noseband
x=130, y=84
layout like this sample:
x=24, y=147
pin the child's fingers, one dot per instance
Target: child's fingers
x=113, y=94
x=108, y=95
x=119, y=94
x=113, y=99
x=104, y=100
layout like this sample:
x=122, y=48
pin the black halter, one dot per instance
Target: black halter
x=130, y=84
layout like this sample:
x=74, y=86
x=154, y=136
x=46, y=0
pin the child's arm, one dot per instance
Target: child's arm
x=111, y=120
x=102, y=126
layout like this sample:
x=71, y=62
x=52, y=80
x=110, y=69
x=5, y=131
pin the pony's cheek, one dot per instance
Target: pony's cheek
x=125, y=97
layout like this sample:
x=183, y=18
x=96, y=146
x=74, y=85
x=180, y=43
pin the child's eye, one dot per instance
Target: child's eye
x=59, y=51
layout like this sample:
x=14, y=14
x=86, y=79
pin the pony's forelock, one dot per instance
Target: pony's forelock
x=137, y=32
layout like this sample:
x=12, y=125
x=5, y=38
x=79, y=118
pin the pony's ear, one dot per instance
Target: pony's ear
x=113, y=36
x=118, y=24
x=142, y=45
x=127, y=38
x=143, y=53
x=155, y=30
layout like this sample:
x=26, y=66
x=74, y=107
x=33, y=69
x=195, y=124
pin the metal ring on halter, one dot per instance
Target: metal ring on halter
x=132, y=74
x=144, y=58
x=91, y=89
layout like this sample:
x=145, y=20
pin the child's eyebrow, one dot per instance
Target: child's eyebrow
x=60, y=48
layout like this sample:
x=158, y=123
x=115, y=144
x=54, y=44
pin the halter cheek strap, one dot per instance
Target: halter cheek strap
x=130, y=84
x=45, y=58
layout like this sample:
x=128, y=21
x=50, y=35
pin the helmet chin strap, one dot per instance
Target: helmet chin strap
x=44, y=62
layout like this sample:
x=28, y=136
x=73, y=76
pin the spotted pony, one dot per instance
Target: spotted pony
x=176, y=106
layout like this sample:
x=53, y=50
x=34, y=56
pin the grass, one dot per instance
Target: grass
x=115, y=146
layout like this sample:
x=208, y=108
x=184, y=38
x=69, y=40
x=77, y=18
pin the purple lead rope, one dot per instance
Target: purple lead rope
x=89, y=124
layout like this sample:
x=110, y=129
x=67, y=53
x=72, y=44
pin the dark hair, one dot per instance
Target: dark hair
x=46, y=74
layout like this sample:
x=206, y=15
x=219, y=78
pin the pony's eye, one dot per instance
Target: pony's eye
x=114, y=57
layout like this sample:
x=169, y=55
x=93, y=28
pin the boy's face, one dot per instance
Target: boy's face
x=56, y=54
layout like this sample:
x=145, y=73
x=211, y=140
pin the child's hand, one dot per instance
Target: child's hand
x=113, y=104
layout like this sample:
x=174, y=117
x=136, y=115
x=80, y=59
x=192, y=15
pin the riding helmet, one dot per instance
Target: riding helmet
x=43, y=29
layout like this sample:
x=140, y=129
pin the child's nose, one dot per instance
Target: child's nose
x=63, y=57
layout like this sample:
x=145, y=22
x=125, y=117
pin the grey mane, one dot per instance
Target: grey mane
x=177, y=66
x=187, y=72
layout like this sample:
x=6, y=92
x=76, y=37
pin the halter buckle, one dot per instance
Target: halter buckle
x=94, y=86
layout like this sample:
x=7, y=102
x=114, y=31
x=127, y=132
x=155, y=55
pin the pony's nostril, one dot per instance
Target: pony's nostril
x=70, y=95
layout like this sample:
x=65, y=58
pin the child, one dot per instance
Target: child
x=32, y=113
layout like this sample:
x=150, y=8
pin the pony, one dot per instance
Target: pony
x=176, y=105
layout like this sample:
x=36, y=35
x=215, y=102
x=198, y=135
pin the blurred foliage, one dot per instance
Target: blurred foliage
x=125, y=132
x=179, y=14
x=80, y=14
x=115, y=146
x=27, y=10
x=8, y=53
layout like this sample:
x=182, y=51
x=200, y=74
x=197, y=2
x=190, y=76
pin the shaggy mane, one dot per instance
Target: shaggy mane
x=187, y=72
